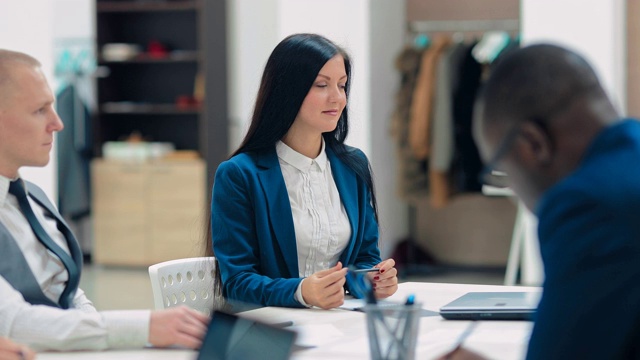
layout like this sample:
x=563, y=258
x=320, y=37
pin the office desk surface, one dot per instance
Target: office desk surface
x=341, y=334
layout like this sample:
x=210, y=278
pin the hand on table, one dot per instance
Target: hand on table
x=10, y=350
x=177, y=326
x=385, y=282
x=324, y=288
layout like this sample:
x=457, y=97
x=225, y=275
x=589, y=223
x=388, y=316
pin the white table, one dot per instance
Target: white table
x=142, y=354
x=341, y=334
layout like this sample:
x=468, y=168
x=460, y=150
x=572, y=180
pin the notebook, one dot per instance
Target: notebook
x=492, y=306
x=231, y=337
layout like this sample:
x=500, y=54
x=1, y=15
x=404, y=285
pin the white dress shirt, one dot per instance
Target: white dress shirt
x=320, y=221
x=44, y=327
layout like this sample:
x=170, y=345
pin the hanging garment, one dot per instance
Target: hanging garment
x=511, y=46
x=467, y=163
x=412, y=174
x=73, y=154
x=421, y=105
x=442, y=140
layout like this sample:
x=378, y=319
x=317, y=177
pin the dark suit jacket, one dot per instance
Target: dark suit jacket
x=589, y=231
x=253, y=232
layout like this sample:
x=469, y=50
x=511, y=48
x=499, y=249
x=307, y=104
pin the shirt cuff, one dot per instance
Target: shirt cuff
x=298, y=295
x=127, y=329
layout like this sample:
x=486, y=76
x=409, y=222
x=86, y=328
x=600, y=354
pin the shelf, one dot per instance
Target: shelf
x=127, y=108
x=143, y=93
x=146, y=5
x=175, y=57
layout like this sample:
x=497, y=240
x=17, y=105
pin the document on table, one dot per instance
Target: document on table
x=358, y=304
x=316, y=335
x=353, y=304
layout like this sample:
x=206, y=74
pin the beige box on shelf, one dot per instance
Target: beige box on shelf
x=149, y=212
x=472, y=230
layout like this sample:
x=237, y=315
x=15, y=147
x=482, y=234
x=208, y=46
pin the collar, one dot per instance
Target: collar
x=611, y=137
x=4, y=188
x=299, y=161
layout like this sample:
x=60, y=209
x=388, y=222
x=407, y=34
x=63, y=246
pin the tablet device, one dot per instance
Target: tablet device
x=492, y=306
x=231, y=337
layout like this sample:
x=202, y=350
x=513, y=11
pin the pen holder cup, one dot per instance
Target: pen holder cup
x=393, y=330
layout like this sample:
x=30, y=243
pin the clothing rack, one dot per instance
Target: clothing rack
x=456, y=27
x=464, y=25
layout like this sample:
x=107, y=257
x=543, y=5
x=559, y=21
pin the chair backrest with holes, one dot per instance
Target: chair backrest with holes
x=184, y=282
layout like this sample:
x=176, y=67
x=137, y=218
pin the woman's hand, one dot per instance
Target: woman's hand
x=324, y=289
x=385, y=282
x=10, y=350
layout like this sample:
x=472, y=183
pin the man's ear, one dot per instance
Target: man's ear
x=536, y=145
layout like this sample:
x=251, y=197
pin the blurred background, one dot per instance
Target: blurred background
x=154, y=94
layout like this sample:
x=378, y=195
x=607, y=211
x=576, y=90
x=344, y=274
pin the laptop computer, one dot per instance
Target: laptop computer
x=492, y=306
x=230, y=337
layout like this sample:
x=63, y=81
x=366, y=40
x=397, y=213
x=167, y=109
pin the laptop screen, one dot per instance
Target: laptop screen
x=231, y=337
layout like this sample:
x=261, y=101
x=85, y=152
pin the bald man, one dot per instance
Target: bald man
x=544, y=119
x=40, y=261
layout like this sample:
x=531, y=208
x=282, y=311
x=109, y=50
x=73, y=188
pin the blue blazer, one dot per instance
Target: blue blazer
x=253, y=232
x=589, y=233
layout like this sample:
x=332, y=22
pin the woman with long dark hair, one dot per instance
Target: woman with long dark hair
x=294, y=205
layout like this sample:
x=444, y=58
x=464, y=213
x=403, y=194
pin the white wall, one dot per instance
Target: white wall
x=32, y=27
x=347, y=24
x=252, y=35
x=27, y=26
x=372, y=31
x=74, y=19
x=595, y=29
x=386, y=34
x=256, y=27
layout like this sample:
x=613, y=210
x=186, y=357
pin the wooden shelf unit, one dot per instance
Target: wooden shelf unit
x=147, y=212
x=147, y=5
x=148, y=109
x=137, y=222
x=182, y=56
x=141, y=94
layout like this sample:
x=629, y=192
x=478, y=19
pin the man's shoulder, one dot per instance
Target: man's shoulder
x=600, y=199
x=608, y=175
x=36, y=192
x=41, y=197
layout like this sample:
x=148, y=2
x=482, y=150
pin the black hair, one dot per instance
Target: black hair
x=536, y=82
x=290, y=72
x=288, y=76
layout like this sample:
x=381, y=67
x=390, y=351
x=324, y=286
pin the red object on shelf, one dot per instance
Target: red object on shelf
x=156, y=49
x=187, y=102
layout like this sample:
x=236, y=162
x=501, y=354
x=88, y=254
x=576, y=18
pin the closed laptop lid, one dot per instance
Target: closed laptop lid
x=492, y=305
x=231, y=337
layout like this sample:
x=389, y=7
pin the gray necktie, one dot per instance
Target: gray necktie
x=66, y=298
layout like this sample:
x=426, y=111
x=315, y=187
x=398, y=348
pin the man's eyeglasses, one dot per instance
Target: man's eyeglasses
x=489, y=175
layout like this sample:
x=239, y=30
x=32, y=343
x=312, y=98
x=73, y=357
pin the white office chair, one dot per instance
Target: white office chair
x=184, y=282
